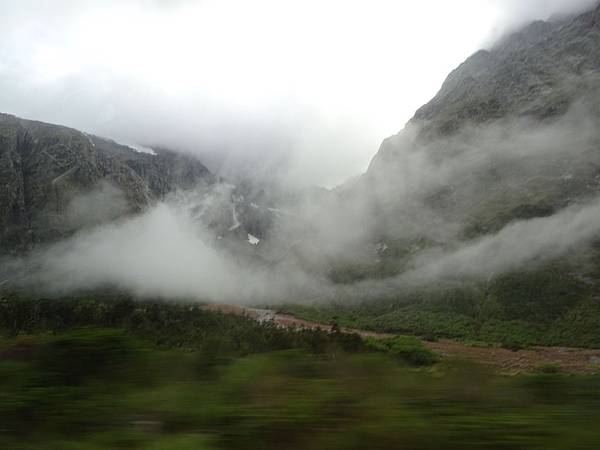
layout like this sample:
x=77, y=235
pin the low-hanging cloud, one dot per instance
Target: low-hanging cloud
x=170, y=250
x=520, y=244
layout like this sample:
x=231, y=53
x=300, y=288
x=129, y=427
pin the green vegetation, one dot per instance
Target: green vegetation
x=164, y=325
x=110, y=373
x=549, y=306
x=405, y=348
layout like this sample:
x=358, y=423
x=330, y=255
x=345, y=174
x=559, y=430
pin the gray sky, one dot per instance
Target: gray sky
x=311, y=85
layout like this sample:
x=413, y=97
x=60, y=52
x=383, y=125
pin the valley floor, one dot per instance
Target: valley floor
x=566, y=359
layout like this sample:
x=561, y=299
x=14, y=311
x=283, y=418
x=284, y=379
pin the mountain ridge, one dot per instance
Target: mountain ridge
x=45, y=166
x=526, y=62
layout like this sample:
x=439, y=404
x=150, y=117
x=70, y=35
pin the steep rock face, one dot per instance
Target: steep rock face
x=44, y=167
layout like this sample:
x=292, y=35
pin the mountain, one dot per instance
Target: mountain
x=538, y=72
x=56, y=179
x=481, y=218
x=510, y=135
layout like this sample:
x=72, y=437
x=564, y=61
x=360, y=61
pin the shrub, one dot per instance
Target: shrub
x=406, y=348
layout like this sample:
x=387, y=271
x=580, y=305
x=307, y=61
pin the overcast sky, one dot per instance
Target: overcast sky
x=311, y=85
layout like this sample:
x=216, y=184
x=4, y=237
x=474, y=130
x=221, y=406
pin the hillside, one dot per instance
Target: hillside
x=511, y=133
x=511, y=136
x=57, y=180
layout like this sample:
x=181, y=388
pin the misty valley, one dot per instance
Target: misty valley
x=154, y=296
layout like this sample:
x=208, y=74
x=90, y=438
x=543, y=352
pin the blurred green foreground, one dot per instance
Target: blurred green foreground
x=100, y=374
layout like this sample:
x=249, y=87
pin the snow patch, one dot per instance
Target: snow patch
x=381, y=247
x=89, y=139
x=142, y=149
